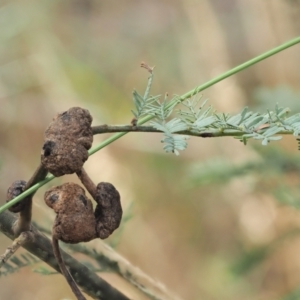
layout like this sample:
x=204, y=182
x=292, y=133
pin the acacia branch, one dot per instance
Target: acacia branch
x=41, y=247
x=209, y=133
x=129, y=128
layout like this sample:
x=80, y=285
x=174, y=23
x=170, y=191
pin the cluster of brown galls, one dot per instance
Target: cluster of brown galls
x=67, y=141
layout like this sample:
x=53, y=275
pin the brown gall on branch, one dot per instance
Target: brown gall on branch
x=67, y=141
x=17, y=188
x=76, y=222
x=27, y=235
x=22, y=225
x=65, y=150
x=108, y=212
x=24, y=208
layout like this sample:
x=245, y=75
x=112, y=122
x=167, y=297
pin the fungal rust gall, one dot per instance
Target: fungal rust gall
x=75, y=221
x=67, y=140
x=108, y=212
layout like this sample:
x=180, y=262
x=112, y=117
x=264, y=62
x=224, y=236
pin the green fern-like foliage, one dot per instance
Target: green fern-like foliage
x=173, y=143
x=192, y=117
x=145, y=105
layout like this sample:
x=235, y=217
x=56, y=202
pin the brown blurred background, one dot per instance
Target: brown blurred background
x=218, y=222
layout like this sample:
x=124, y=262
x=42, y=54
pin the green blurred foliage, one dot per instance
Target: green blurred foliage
x=283, y=95
x=294, y=295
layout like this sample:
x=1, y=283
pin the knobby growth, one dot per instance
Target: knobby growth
x=67, y=140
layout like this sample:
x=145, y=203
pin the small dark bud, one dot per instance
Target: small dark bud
x=15, y=190
x=134, y=122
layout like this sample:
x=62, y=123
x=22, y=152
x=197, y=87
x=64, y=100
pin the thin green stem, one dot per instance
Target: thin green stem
x=240, y=68
x=183, y=97
x=209, y=132
x=107, y=142
x=229, y=73
x=204, y=86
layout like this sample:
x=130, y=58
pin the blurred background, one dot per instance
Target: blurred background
x=220, y=221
